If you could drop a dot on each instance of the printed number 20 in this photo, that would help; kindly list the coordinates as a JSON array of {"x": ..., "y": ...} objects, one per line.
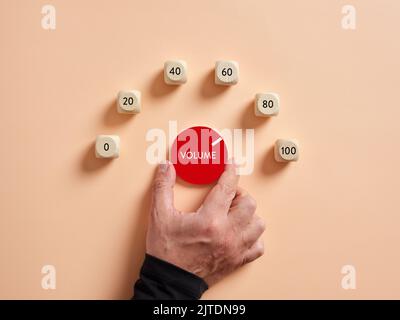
[{"x": 128, "y": 101}]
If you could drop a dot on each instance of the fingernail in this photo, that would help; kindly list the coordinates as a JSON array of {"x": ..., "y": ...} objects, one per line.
[
  {"x": 232, "y": 161},
  {"x": 164, "y": 166}
]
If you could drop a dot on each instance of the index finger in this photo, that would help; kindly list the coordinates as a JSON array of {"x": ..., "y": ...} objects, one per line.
[{"x": 220, "y": 197}]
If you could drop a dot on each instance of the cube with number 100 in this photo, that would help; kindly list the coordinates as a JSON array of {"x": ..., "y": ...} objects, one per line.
[
  {"x": 226, "y": 73},
  {"x": 286, "y": 150}
]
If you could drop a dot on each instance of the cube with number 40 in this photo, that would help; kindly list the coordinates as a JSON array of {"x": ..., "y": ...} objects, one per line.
[{"x": 175, "y": 72}]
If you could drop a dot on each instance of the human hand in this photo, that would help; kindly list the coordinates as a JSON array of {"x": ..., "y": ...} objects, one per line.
[{"x": 222, "y": 235}]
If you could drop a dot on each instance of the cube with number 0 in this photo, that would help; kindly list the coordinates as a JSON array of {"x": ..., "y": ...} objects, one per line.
[
  {"x": 226, "y": 72},
  {"x": 175, "y": 72},
  {"x": 286, "y": 150},
  {"x": 129, "y": 101},
  {"x": 266, "y": 104},
  {"x": 107, "y": 146}
]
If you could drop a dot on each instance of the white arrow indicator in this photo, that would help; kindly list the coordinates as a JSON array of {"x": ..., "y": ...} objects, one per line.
[{"x": 216, "y": 142}]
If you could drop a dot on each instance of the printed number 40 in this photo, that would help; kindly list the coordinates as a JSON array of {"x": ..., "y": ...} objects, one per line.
[{"x": 176, "y": 71}]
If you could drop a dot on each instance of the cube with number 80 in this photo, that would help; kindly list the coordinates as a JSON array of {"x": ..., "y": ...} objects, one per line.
[
  {"x": 286, "y": 150},
  {"x": 266, "y": 104},
  {"x": 129, "y": 101},
  {"x": 226, "y": 73},
  {"x": 175, "y": 72}
]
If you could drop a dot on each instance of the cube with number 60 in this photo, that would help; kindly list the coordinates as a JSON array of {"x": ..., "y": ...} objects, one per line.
[
  {"x": 107, "y": 146},
  {"x": 175, "y": 72},
  {"x": 129, "y": 101},
  {"x": 286, "y": 150},
  {"x": 226, "y": 73}
]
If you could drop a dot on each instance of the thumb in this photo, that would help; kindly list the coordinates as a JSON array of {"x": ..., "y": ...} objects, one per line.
[{"x": 164, "y": 181}]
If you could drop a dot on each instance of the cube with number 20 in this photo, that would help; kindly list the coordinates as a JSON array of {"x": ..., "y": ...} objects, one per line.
[{"x": 129, "y": 101}]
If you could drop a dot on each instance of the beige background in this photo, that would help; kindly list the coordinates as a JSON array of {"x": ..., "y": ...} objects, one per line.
[{"x": 339, "y": 91}]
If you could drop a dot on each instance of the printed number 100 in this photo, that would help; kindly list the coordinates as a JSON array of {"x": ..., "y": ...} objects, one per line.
[{"x": 288, "y": 150}]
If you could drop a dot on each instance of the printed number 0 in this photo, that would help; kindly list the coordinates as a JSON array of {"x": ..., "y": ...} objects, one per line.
[
  {"x": 176, "y": 70},
  {"x": 227, "y": 72},
  {"x": 128, "y": 100},
  {"x": 288, "y": 150},
  {"x": 106, "y": 147}
]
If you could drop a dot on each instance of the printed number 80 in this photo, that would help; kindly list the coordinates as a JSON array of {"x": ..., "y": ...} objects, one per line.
[{"x": 268, "y": 104}]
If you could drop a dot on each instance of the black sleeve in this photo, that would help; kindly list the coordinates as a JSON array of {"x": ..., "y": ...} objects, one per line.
[{"x": 162, "y": 280}]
